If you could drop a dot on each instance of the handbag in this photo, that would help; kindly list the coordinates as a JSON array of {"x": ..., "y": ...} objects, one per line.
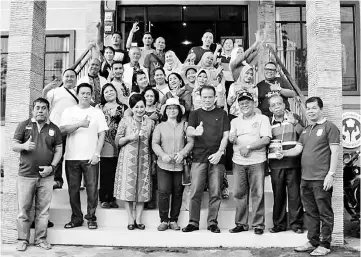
[{"x": 187, "y": 163}]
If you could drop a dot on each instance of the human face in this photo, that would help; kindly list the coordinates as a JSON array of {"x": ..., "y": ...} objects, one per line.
[
  {"x": 69, "y": 79},
  {"x": 228, "y": 45},
  {"x": 94, "y": 67},
  {"x": 174, "y": 82},
  {"x": 40, "y": 112},
  {"x": 169, "y": 58},
  {"x": 191, "y": 75},
  {"x": 142, "y": 81},
  {"x": 84, "y": 96},
  {"x": 277, "y": 106},
  {"x": 147, "y": 40},
  {"x": 240, "y": 50},
  {"x": 248, "y": 76},
  {"x": 159, "y": 44},
  {"x": 139, "y": 109},
  {"x": 246, "y": 106},
  {"x": 109, "y": 94},
  {"x": 202, "y": 78},
  {"x": 270, "y": 71},
  {"x": 134, "y": 55},
  {"x": 149, "y": 97},
  {"x": 118, "y": 70},
  {"x": 172, "y": 111},
  {"x": 208, "y": 98},
  {"x": 313, "y": 111},
  {"x": 108, "y": 54},
  {"x": 116, "y": 39},
  {"x": 209, "y": 60},
  {"x": 159, "y": 77},
  {"x": 207, "y": 39}
]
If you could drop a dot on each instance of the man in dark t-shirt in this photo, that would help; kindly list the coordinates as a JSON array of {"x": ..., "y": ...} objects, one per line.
[
  {"x": 209, "y": 126},
  {"x": 155, "y": 59},
  {"x": 272, "y": 85},
  {"x": 207, "y": 40},
  {"x": 39, "y": 142}
]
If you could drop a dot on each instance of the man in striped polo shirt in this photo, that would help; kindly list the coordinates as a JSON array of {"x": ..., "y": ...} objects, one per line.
[{"x": 285, "y": 173}]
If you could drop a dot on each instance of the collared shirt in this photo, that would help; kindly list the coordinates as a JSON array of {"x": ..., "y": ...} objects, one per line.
[
  {"x": 46, "y": 139},
  {"x": 129, "y": 70},
  {"x": 316, "y": 155},
  {"x": 97, "y": 82}
]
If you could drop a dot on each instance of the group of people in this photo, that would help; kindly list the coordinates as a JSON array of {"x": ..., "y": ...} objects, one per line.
[{"x": 137, "y": 127}]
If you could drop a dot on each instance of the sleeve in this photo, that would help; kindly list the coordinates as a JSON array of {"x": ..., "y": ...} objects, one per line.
[
  {"x": 188, "y": 102},
  {"x": 102, "y": 123},
  {"x": 50, "y": 97},
  {"x": 284, "y": 83},
  {"x": 301, "y": 140},
  {"x": 266, "y": 129},
  {"x": 19, "y": 132},
  {"x": 192, "y": 121},
  {"x": 156, "y": 136},
  {"x": 121, "y": 130},
  {"x": 58, "y": 136},
  {"x": 298, "y": 129},
  {"x": 233, "y": 125},
  {"x": 230, "y": 94},
  {"x": 65, "y": 118},
  {"x": 333, "y": 134},
  {"x": 226, "y": 125}
]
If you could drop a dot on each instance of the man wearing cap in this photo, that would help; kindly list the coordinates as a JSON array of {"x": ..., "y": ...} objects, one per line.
[
  {"x": 209, "y": 126},
  {"x": 250, "y": 134}
]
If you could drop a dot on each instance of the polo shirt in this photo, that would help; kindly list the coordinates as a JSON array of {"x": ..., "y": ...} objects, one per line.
[
  {"x": 316, "y": 155},
  {"x": 45, "y": 142},
  {"x": 264, "y": 92},
  {"x": 215, "y": 122},
  {"x": 289, "y": 135},
  {"x": 198, "y": 51}
]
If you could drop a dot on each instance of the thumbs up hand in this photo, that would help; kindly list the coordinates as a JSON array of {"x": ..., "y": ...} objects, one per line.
[
  {"x": 85, "y": 123},
  {"x": 29, "y": 145},
  {"x": 199, "y": 130}
]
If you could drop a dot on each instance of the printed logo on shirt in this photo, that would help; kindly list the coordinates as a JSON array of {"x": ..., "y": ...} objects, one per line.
[
  {"x": 28, "y": 127},
  {"x": 319, "y": 132},
  {"x": 51, "y": 132},
  {"x": 304, "y": 132},
  {"x": 255, "y": 125}
]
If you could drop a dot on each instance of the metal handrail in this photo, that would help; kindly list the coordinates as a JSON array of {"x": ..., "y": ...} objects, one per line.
[{"x": 299, "y": 99}]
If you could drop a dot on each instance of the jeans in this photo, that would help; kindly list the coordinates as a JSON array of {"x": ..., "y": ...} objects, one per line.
[
  {"x": 289, "y": 179},
  {"x": 27, "y": 189},
  {"x": 318, "y": 210},
  {"x": 200, "y": 172},
  {"x": 108, "y": 166},
  {"x": 74, "y": 171},
  {"x": 169, "y": 183},
  {"x": 58, "y": 172},
  {"x": 249, "y": 179}
]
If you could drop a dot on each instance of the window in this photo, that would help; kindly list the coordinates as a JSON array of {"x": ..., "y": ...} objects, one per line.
[{"x": 291, "y": 44}]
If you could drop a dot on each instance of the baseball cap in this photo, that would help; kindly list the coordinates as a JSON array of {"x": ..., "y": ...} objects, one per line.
[{"x": 245, "y": 95}]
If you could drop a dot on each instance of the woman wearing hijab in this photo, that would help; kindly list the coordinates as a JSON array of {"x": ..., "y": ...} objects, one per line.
[{"x": 172, "y": 63}]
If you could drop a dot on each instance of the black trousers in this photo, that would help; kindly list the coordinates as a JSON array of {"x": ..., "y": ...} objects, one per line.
[
  {"x": 318, "y": 211},
  {"x": 286, "y": 182},
  {"x": 108, "y": 166},
  {"x": 58, "y": 172}
]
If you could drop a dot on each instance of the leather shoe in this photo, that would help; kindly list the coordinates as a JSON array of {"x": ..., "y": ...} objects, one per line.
[
  {"x": 276, "y": 229},
  {"x": 139, "y": 226},
  {"x": 190, "y": 228},
  {"x": 258, "y": 231},
  {"x": 214, "y": 228},
  {"x": 237, "y": 229}
]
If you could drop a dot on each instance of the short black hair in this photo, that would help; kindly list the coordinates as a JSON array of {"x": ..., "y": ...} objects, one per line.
[
  {"x": 270, "y": 62},
  {"x": 41, "y": 100},
  {"x": 207, "y": 87},
  {"x": 179, "y": 77},
  {"x": 159, "y": 68},
  {"x": 135, "y": 87},
  {"x": 69, "y": 69},
  {"x": 315, "y": 99},
  {"x": 116, "y": 62},
  {"x": 134, "y": 99},
  {"x": 155, "y": 92},
  {"x": 147, "y": 33},
  {"x": 224, "y": 41},
  {"x": 102, "y": 98},
  {"x": 179, "y": 116},
  {"x": 190, "y": 68},
  {"x": 84, "y": 85},
  {"x": 119, "y": 33},
  {"x": 110, "y": 48}
]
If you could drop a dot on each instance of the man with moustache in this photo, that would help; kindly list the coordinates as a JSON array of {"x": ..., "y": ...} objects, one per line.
[
  {"x": 133, "y": 65},
  {"x": 207, "y": 40},
  {"x": 155, "y": 59}
]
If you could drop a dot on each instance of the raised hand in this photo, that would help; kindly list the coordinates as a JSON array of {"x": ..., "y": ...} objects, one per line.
[
  {"x": 29, "y": 145},
  {"x": 135, "y": 27},
  {"x": 199, "y": 130}
]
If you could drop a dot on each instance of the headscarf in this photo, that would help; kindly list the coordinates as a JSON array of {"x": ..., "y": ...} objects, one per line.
[
  {"x": 208, "y": 82},
  {"x": 202, "y": 62},
  {"x": 175, "y": 67},
  {"x": 234, "y": 53},
  {"x": 245, "y": 68}
]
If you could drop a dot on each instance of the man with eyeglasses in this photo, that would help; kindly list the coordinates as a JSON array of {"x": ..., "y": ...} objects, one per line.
[{"x": 272, "y": 85}]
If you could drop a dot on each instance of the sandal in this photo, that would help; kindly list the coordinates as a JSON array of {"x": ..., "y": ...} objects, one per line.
[
  {"x": 320, "y": 251},
  {"x": 131, "y": 227},
  {"x": 22, "y": 245},
  {"x": 44, "y": 245},
  {"x": 92, "y": 225},
  {"x": 139, "y": 226},
  {"x": 72, "y": 225},
  {"x": 105, "y": 205}
]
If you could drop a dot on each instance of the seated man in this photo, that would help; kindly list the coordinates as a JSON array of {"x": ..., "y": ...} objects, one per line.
[{"x": 39, "y": 142}]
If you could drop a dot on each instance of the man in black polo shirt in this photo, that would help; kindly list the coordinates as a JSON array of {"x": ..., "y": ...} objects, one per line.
[
  {"x": 319, "y": 145},
  {"x": 210, "y": 128},
  {"x": 39, "y": 142}
]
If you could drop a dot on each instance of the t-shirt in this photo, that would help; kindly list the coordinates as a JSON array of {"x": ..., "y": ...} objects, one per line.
[
  {"x": 144, "y": 54},
  {"x": 129, "y": 70},
  {"x": 81, "y": 144},
  {"x": 316, "y": 155},
  {"x": 45, "y": 142},
  {"x": 215, "y": 122},
  {"x": 120, "y": 55},
  {"x": 198, "y": 51},
  {"x": 151, "y": 63},
  {"x": 59, "y": 99},
  {"x": 264, "y": 92},
  {"x": 249, "y": 131}
]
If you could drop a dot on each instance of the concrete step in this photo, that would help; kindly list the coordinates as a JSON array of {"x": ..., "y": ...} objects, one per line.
[{"x": 110, "y": 236}]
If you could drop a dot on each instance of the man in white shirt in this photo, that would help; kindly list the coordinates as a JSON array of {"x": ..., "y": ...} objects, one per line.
[
  {"x": 133, "y": 65},
  {"x": 85, "y": 128}
]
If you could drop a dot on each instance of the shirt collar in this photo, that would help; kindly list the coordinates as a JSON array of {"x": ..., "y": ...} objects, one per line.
[
  {"x": 93, "y": 77},
  {"x": 321, "y": 121},
  {"x": 274, "y": 120},
  {"x": 33, "y": 120}
]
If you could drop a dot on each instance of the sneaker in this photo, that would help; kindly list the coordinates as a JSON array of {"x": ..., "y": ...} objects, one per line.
[
  {"x": 307, "y": 247},
  {"x": 163, "y": 226},
  {"x": 22, "y": 245},
  {"x": 173, "y": 225},
  {"x": 44, "y": 245},
  {"x": 320, "y": 251}
]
